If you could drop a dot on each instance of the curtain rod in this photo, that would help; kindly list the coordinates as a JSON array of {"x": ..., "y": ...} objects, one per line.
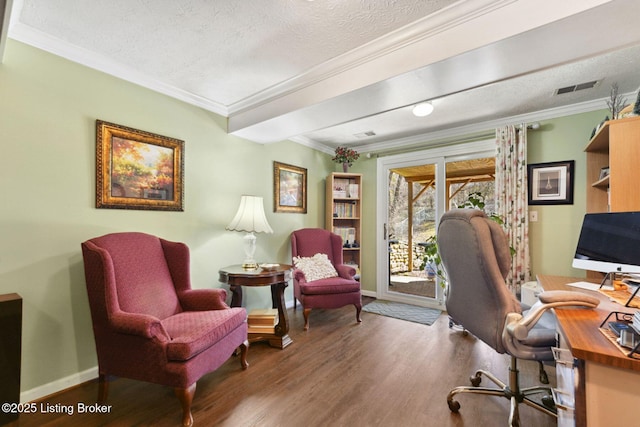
[{"x": 532, "y": 126}]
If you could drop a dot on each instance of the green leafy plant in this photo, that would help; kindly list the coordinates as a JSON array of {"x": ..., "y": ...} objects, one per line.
[
  {"x": 476, "y": 201},
  {"x": 345, "y": 155},
  {"x": 432, "y": 258}
]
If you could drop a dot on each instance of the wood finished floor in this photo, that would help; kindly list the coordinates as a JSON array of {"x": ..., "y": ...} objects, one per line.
[{"x": 382, "y": 372}]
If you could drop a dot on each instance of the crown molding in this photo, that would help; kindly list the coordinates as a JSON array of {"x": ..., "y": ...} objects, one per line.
[
  {"x": 453, "y": 135},
  {"x": 427, "y": 27},
  {"x": 29, "y": 35},
  {"x": 308, "y": 142},
  {"x": 424, "y": 28}
]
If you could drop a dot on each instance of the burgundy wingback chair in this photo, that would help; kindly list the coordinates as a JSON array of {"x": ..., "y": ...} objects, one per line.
[
  {"x": 148, "y": 323},
  {"x": 333, "y": 292}
]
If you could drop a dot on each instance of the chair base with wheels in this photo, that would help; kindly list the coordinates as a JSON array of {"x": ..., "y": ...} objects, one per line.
[{"x": 511, "y": 391}]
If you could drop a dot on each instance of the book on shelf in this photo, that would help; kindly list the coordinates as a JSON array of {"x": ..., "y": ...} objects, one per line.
[
  {"x": 267, "y": 317},
  {"x": 340, "y": 188},
  {"x": 347, "y": 233},
  {"x": 354, "y": 191},
  {"x": 344, "y": 209}
]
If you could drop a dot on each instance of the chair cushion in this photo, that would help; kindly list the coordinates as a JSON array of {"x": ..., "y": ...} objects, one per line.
[
  {"x": 332, "y": 285},
  {"x": 192, "y": 332},
  {"x": 316, "y": 267}
]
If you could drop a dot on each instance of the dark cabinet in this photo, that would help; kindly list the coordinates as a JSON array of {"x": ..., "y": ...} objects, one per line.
[{"x": 10, "y": 352}]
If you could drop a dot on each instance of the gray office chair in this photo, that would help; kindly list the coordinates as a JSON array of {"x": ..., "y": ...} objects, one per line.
[{"x": 476, "y": 258}]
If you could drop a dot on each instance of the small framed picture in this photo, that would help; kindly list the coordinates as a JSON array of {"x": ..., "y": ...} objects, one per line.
[
  {"x": 604, "y": 172},
  {"x": 551, "y": 183},
  {"x": 289, "y": 188}
]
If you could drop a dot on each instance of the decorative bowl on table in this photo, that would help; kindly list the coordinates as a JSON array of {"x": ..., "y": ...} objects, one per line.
[{"x": 269, "y": 267}]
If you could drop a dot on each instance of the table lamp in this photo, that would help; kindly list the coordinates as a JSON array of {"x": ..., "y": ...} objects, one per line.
[{"x": 250, "y": 218}]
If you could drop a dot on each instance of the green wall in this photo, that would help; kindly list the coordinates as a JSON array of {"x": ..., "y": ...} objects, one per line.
[
  {"x": 48, "y": 109},
  {"x": 553, "y": 238}
]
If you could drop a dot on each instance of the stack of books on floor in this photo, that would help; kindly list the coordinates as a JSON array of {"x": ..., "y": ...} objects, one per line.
[{"x": 262, "y": 321}]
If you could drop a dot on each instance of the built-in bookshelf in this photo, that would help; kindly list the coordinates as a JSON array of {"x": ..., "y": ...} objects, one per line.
[
  {"x": 343, "y": 213},
  {"x": 613, "y": 155}
]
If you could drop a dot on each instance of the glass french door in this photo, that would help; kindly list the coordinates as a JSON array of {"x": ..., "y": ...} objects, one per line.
[{"x": 414, "y": 191}]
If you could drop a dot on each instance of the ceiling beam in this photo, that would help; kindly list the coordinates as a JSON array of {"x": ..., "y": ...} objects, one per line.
[{"x": 470, "y": 63}]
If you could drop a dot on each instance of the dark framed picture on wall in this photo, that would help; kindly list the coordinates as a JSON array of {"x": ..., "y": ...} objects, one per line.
[
  {"x": 289, "y": 188},
  {"x": 551, "y": 183},
  {"x": 137, "y": 169}
]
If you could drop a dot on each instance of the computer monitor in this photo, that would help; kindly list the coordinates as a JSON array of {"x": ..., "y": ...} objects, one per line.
[{"x": 609, "y": 242}]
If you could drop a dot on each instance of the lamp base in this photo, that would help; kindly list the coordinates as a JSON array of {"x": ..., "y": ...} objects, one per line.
[
  {"x": 249, "y": 265},
  {"x": 249, "y": 262}
]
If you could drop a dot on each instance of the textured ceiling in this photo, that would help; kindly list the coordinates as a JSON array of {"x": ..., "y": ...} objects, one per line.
[
  {"x": 321, "y": 72},
  {"x": 225, "y": 50}
]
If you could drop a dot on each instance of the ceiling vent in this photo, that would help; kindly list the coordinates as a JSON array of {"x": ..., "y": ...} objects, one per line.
[
  {"x": 365, "y": 134},
  {"x": 575, "y": 88}
]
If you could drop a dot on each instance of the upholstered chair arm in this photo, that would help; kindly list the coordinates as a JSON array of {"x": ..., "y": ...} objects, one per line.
[
  {"x": 299, "y": 276},
  {"x": 518, "y": 326},
  {"x": 142, "y": 325},
  {"x": 203, "y": 299},
  {"x": 346, "y": 271}
]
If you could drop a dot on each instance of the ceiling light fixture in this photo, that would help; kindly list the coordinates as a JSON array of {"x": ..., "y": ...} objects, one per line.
[{"x": 422, "y": 109}]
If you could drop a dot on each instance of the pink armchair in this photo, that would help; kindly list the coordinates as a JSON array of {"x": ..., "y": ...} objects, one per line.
[
  {"x": 148, "y": 323},
  {"x": 331, "y": 292}
]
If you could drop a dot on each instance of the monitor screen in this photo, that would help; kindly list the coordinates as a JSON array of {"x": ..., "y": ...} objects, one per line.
[{"x": 609, "y": 242}]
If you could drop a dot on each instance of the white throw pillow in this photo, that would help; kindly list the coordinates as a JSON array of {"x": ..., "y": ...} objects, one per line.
[{"x": 316, "y": 267}]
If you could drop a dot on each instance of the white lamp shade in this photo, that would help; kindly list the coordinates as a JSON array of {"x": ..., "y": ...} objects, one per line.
[{"x": 250, "y": 216}]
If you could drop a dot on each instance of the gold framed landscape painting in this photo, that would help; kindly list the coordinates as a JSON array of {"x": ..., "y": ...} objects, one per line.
[
  {"x": 136, "y": 169},
  {"x": 289, "y": 188}
]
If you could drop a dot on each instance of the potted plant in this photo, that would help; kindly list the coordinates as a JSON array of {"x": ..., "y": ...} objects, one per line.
[
  {"x": 346, "y": 156},
  {"x": 432, "y": 260}
]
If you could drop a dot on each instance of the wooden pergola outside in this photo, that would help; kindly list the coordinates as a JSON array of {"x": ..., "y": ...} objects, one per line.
[{"x": 462, "y": 172}]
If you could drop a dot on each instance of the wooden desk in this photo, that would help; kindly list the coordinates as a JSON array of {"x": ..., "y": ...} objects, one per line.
[
  {"x": 237, "y": 277},
  {"x": 608, "y": 388}
]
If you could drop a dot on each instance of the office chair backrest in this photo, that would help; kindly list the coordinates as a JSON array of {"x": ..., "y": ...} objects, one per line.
[{"x": 476, "y": 257}]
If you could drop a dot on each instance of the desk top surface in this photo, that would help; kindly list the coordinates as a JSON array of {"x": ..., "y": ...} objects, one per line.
[
  {"x": 236, "y": 275},
  {"x": 580, "y": 326}
]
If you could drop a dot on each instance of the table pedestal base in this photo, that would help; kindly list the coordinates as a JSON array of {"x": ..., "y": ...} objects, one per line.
[{"x": 278, "y": 280}]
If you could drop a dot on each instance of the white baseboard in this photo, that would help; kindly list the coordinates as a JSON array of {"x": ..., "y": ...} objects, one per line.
[{"x": 59, "y": 385}]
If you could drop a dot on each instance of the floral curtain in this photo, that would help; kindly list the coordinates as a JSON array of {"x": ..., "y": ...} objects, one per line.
[{"x": 511, "y": 199}]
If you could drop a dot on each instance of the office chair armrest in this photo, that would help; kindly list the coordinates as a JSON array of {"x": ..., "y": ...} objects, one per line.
[
  {"x": 142, "y": 325},
  {"x": 203, "y": 299},
  {"x": 549, "y": 299}
]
